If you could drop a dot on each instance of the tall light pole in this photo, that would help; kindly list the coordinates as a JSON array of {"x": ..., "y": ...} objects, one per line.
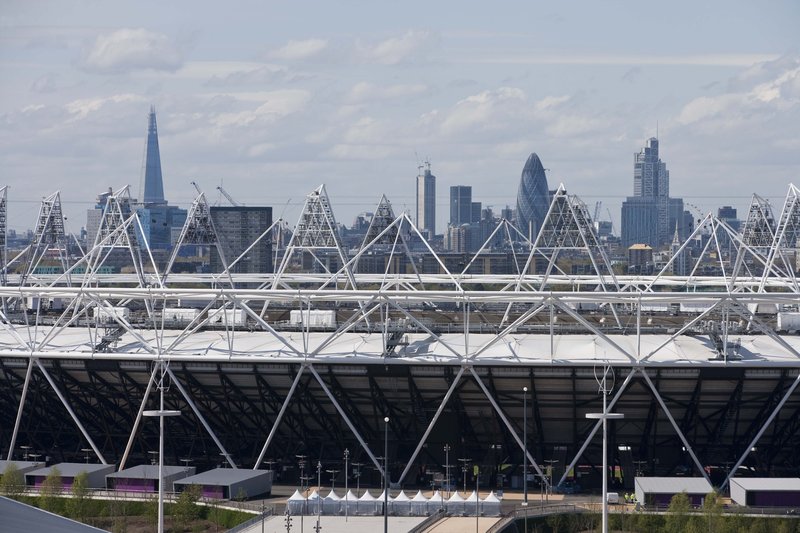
[
  {"x": 318, "y": 527},
  {"x": 465, "y": 461},
  {"x": 525, "y": 446},
  {"x": 386, "y": 475},
  {"x": 346, "y": 505},
  {"x": 605, "y": 416},
  {"x": 161, "y": 413},
  {"x": 447, "y": 468}
]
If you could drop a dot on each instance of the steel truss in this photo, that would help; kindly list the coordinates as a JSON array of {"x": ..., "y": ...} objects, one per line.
[{"x": 445, "y": 355}]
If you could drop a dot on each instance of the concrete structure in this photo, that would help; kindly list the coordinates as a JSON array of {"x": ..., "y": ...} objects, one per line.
[
  {"x": 17, "y": 516},
  {"x": 237, "y": 228},
  {"x": 426, "y": 201},
  {"x": 144, "y": 478},
  {"x": 22, "y": 466},
  {"x": 658, "y": 491},
  {"x": 229, "y": 483},
  {"x": 766, "y": 492},
  {"x": 96, "y": 474}
]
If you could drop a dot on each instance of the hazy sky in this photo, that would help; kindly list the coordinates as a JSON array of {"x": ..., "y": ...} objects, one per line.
[{"x": 272, "y": 99}]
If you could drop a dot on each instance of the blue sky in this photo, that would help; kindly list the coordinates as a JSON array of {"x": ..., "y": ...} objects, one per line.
[{"x": 273, "y": 98}]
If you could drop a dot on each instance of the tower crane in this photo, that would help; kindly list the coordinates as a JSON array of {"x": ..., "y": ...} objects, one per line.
[
  {"x": 224, "y": 193},
  {"x": 197, "y": 187}
]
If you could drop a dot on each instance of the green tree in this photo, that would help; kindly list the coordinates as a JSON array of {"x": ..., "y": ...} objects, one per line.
[
  {"x": 678, "y": 514},
  {"x": 78, "y": 505},
  {"x": 712, "y": 511},
  {"x": 50, "y": 490},
  {"x": 13, "y": 482},
  {"x": 186, "y": 509}
]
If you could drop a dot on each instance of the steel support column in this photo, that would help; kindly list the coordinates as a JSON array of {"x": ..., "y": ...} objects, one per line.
[{"x": 278, "y": 418}]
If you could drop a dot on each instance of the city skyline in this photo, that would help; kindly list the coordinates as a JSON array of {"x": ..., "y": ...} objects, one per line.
[{"x": 273, "y": 114}]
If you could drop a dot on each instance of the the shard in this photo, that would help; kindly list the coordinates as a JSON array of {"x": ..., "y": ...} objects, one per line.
[
  {"x": 153, "y": 182},
  {"x": 533, "y": 197}
]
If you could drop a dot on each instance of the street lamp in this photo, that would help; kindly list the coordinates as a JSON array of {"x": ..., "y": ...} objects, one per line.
[
  {"x": 605, "y": 416},
  {"x": 525, "y": 446},
  {"x": 550, "y": 471},
  {"x": 318, "y": 527},
  {"x": 386, "y": 475},
  {"x": 465, "y": 460},
  {"x": 346, "y": 475},
  {"x": 447, "y": 468},
  {"x": 161, "y": 413},
  {"x": 86, "y": 453}
]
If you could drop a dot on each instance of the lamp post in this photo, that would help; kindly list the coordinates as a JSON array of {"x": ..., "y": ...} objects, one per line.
[
  {"x": 86, "y": 453},
  {"x": 358, "y": 466},
  {"x": 465, "y": 461},
  {"x": 525, "y": 446},
  {"x": 550, "y": 469},
  {"x": 318, "y": 527},
  {"x": 346, "y": 505},
  {"x": 447, "y": 468},
  {"x": 161, "y": 413},
  {"x": 386, "y": 475},
  {"x": 605, "y": 416}
]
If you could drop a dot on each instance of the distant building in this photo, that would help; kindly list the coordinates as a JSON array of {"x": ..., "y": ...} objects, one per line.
[
  {"x": 640, "y": 258},
  {"x": 237, "y": 228},
  {"x": 460, "y": 205},
  {"x": 533, "y": 197},
  {"x": 157, "y": 217},
  {"x": 650, "y": 215},
  {"x": 426, "y": 201}
]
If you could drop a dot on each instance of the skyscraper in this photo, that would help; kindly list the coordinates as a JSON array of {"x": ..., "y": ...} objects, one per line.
[
  {"x": 237, "y": 228},
  {"x": 153, "y": 193},
  {"x": 157, "y": 217},
  {"x": 426, "y": 201},
  {"x": 533, "y": 197},
  {"x": 650, "y": 216},
  {"x": 460, "y": 205}
]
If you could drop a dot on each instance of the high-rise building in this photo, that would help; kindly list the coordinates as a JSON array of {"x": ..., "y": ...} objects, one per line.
[
  {"x": 533, "y": 197},
  {"x": 650, "y": 215},
  {"x": 460, "y": 205},
  {"x": 426, "y": 201},
  {"x": 157, "y": 217},
  {"x": 237, "y": 228}
]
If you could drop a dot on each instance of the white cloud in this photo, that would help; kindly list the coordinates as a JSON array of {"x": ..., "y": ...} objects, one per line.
[
  {"x": 130, "y": 49},
  {"x": 297, "y": 50},
  {"x": 251, "y": 76},
  {"x": 274, "y": 105},
  {"x": 414, "y": 44},
  {"x": 488, "y": 109},
  {"x": 365, "y": 91},
  {"x": 80, "y": 109}
]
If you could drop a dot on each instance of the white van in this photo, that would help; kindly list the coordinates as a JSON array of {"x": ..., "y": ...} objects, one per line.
[{"x": 612, "y": 497}]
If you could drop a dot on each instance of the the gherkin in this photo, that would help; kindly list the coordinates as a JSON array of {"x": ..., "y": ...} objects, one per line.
[{"x": 533, "y": 197}]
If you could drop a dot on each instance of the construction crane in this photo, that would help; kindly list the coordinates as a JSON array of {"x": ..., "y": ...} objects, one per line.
[
  {"x": 196, "y": 186},
  {"x": 224, "y": 193},
  {"x": 597, "y": 207}
]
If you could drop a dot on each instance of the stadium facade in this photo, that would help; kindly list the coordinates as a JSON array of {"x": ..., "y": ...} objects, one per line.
[{"x": 272, "y": 366}]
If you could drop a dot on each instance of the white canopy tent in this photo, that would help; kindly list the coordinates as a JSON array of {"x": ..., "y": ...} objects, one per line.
[
  {"x": 472, "y": 504},
  {"x": 331, "y": 504},
  {"x": 455, "y": 505},
  {"x": 400, "y": 505},
  {"x": 296, "y": 503},
  {"x": 349, "y": 502},
  {"x": 419, "y": 504},
  {"x": 314, "y": 502},
  {"x": 368, "y": 505},
  {"x": 490, "y": 506}
]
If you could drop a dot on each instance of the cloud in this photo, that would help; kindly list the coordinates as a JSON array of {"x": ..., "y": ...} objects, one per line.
[
  {"x": 298, "y": 50},
  {"x": 46, "y": 83},
  {"x": 487, "y": 109},
  {"x": 82, "y": 108},
  {"x": 252, "y": 76},
  {"x": 365, "y": 91},
  {"x": 273, "y": 105},
  {"x": 130, "y": 49},
  {"x": 412, "y": 45}
]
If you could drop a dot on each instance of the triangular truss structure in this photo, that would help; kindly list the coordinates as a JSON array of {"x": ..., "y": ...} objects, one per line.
[
  {"x": 759, "y": 228},
  {"x": 787, "y": 237},
  {"x": 198, "y": 230},
  {"x": 381, "y": 220},
  {"x": 568, "y": 227},
  {"x": 316, "y": 232},
  {"x": 120, "y": 228},
  {"x": 48, "y": 235}
]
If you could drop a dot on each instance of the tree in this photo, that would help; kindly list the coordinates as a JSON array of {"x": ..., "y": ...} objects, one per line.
[
  {"x": 712, "y": 510},
  {"x": 185, "y": 509},
  {"x": 678, "y": 514},
  {"x": 78, "y": 505},
  {"x": 50, "y": 490},
  {"x": 13, "y": 482}
]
